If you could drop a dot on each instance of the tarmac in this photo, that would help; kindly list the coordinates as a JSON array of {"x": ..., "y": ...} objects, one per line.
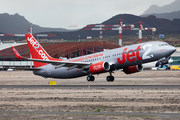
[
  {"x": 92, "y": 86},
  {"x": 144, "y": 95}
]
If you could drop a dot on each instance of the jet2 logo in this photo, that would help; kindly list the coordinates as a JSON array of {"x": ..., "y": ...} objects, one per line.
[
  {"x": 131, "y": 55},
  {"x": 36, "y": 47}
]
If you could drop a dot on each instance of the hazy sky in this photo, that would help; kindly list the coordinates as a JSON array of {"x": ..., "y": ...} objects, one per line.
[{"x": 66, "y": 13}]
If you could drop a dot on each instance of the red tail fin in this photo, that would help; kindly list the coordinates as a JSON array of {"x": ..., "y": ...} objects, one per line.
[{"x": 36, "y": 50}]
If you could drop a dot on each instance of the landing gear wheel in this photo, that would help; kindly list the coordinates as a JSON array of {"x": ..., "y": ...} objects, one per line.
[
  {"x": 90, "y": 78},
  {"x": 110, "y": 78}
]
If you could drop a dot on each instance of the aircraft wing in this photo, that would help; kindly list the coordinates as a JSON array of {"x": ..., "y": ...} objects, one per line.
[{"x": 54, "y": 62}]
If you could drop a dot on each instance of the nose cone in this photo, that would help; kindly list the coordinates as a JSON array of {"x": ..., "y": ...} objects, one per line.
[{"x": 171, "y": 49}]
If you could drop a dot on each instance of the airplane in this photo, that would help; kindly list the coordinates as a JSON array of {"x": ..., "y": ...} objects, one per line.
[{"x": 129, "y": 58}]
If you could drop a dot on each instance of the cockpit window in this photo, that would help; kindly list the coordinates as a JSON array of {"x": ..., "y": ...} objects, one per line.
[{"x": 163, "y": 44}]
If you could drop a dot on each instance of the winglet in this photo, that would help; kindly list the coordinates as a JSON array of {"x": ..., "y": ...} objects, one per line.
[{"x": 17, "y": 53}]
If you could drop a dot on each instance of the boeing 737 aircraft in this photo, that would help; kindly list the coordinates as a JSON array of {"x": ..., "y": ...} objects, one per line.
[{"x": 129, "y": 58}]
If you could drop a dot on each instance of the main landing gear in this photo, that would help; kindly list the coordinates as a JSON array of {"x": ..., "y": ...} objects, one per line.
[
  {"x": 90, "y": 78},
  {"x": 110, "y": 78}
]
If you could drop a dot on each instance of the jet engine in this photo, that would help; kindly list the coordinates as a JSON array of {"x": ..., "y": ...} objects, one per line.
[
  {"x": 133, "y": 69},
  {"x": 164, "y": 61},
  {"x": 99, "y": 67}
]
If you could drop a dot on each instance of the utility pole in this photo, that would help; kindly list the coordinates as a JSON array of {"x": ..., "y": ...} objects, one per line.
[{"x": 30, "y": 25}]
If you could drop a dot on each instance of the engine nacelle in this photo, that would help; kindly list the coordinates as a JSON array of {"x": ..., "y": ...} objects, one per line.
[
  {"x": 133, "y": 69},
  {"x": 99, "y": 67}
]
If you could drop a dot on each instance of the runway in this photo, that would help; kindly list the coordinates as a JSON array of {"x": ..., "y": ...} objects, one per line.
[
  {"x": 145, "y": 95},
  {"x": 93, "y": 113},
  {"x": 92, "y": 86}
]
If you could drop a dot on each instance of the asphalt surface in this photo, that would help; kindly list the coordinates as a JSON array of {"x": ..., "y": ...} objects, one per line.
[
  {"x": 93, "y": 113},
  {"x": 93, "y": 86}
]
